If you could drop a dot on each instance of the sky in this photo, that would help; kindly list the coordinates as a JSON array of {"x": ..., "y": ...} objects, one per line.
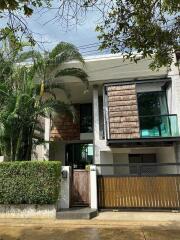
[{"x": 52, "y": 32}]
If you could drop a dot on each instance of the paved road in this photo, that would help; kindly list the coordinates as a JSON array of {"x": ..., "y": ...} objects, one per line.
[{"x": 80, "y": 232}]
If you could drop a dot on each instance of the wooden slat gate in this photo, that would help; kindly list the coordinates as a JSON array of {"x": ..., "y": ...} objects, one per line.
[
  {"x": 139, "y": 192},
  {"x": 80, "y": 188}
]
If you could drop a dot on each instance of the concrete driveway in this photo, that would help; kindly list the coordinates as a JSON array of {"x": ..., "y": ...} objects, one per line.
[
  {"x": 38, "y": 229},
  {"x": 22, "y": 233}
]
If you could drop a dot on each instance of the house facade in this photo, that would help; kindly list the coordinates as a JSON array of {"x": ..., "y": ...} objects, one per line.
[{"x": 127, "y": 126}]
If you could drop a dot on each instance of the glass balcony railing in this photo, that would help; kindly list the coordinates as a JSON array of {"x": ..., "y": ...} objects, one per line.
[{"x": 159, "y": 126}]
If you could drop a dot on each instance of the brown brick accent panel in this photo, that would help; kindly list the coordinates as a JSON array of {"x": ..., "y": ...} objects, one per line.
[
  {"x": 123, "y": 112},
  {"x": 63, "y": 128}
]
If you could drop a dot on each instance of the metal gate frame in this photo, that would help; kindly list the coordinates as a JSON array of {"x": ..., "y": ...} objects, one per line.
[{"x": 144, "y": 190}]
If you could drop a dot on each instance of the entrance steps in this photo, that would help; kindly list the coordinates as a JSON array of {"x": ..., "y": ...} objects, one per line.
[{"x": 76, "y": 213}]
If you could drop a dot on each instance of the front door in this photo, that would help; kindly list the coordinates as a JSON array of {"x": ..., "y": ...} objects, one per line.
[{"x": 80, "y": 188}]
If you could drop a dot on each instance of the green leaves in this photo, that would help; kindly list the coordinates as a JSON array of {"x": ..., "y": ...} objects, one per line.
[
  {"x": 151, "y": 28},
  {"x": 22, "y": 105},
  {"x": 34, "y": 182},
  {"x": 27, "y": 10},
  {"x": 30, "y": 55},
  {"x": 24, "y": 5},
  {"x": 74, "y": 72},
  {"x": 65, "y": 52}
]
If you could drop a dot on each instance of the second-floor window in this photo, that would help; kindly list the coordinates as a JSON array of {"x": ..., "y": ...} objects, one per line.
[
  {"x": 153, "y": 114},
  {"x": 86, "y": 118},
  {"x": 152, "y": 103}
]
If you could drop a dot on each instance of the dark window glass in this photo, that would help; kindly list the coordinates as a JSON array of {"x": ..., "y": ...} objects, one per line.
[
  {"x": 152, "y": 108},
  {"x": 79, "y": 155},
  {"x": 142, "y": 158},
  {"x": 86, "y": 118},
  {"x": 152, "y": 103}
]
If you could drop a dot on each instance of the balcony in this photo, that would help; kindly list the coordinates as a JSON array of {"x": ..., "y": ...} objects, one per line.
[{"x": 159, "y": 126}]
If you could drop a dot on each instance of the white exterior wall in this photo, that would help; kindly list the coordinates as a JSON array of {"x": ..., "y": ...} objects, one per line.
[
  {"x": 175, "y": 100},
  {"x": 169, "y": 99},
  {"x": 174, "y": 75},
  {"x": 166, "y": 155},
  {"x": 148, "y": 87},
  {"x": 64, "y": 198},
  {"x": 86, "y": 136},
  {"x": 46, "y": 138},
  {"x": 106, "y": 158},
  {"x": 121, "y": 156},
  {"x": 38, "y": 153},
  {"x": 93, "y": 188},
  {"x": 113, "y": 67}
]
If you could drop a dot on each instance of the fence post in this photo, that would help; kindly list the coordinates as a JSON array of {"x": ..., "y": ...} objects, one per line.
[
  {"x": 93, "y": 187},
  {"x": 64, "y": 201}
]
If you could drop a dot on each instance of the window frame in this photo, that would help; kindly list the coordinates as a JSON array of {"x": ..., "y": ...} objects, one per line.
[{"x": 84, "y": 128}]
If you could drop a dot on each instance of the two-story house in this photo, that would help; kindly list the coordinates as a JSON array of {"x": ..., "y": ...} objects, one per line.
[{"x": 127, "y": 126}]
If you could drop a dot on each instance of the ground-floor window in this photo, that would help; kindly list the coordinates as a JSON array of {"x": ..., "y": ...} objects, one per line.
[
  {"x": 142, "y": 159},
  {"x": 78, "y": 155}
]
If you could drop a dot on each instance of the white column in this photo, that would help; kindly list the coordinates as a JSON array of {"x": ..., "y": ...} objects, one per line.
[
  {"x": 93, "y": 187},
  {"x": 96, "y": 124},
  {"x": 46, "y": 138},
  {"x": 96, "y": 112},
  {"x": 1, "y": 158},
  {"x": 64, "y": 201},
  {"x": 174, "y": 75}
]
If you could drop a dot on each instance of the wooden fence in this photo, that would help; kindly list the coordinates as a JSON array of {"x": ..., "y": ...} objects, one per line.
[{"x": 139, "y": 192}]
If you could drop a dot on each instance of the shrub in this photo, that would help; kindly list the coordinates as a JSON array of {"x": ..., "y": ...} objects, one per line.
[{"x": 29, "y": 182}]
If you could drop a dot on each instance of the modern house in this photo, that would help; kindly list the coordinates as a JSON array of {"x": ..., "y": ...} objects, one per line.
[{"x": 127, "y": 127}]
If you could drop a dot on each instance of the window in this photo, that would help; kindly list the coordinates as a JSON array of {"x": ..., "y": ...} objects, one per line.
[
  {"x": 79, "y": 155},
  {"x": 140, "y": 159},
  {"x": 152, "y": 103},
  {"x": 86, "y": 118},
  {"x": 153, "y": 114}
]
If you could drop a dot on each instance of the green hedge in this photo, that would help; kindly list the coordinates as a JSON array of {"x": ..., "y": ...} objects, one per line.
[{"x": 29, "y": 182}]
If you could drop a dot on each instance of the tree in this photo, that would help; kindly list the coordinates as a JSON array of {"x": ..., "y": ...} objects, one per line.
[
  {"x": 25, "y": 5},
  {"x": 14, "y": 12},
  {"x": 149, "y": 27},
  {"x": 23, "y": 94}
]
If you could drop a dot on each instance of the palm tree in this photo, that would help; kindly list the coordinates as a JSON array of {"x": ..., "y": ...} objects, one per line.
[{"x": 23, "y": 90}]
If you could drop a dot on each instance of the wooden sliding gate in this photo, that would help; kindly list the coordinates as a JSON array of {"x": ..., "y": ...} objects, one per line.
[{"x": 139, "y": 192}]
